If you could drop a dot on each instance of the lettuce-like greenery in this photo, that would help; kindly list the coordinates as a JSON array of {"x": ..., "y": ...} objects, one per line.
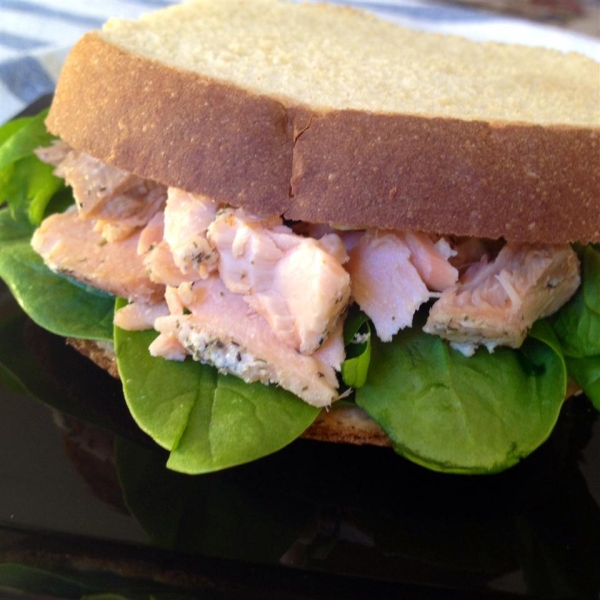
[
  {"x": 357, "y": 339},
  {"x": 441, "y": 410},
  {"x": 586, "y": 373},
  {"x": 465, "y": 415},
  {"x": 52, "y": 301},
  {"x": 29, "y": 187},
  {"x": 27, "y": 184},
  {"x": 578, "y": 323},
  {"x": 577, "y": 326},
  {"x": 208, "y": 421}
]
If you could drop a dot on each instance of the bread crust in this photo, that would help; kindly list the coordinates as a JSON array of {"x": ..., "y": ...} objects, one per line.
[
  {"x": 520, "y": 182},
  {"x": 174, "y": 127},
  {"x": 448, "y": 176},
  {"x": 102, "y": 354}
]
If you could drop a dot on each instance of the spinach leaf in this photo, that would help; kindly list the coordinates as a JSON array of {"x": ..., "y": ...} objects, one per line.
[
  {"x": 577, "y": 324},
  {"x": 27, "y": 183},
  {"x": 586, "y": 373},
  {"x": 357, "y": 339},
  {"x": 464, "y": 415},
  {"x": 29, "y": 188},
  {"x": 9, "y": 129},
  {"x": 51, "y": 300},
  {"x": 208, "y": 421},
  {"x": 19, "y": 138}
]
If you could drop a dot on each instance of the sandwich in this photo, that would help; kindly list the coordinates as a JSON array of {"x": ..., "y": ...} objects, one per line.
[{"x": 305, "y": 221}]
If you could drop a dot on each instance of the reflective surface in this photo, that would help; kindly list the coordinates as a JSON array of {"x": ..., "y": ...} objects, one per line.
[{"x": 80, "y": 485}]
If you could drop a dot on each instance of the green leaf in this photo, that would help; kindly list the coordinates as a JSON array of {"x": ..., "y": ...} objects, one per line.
[
  {"x": 26, "y": 183},
  {"x": 21, "y": 137},
  {"x": 543, "y": 331},
  {"x": 51, "y": 300},
  {"x": 207, "y": 420},
  {"x": 358, "y": 353},
  {"x": 586, "y": 373},
  {"x": 577, "y": 324},
  {"x": 9, "y": 129},
  {"x": 464, "y": 415},
  {"x": 28, "y": 187}
]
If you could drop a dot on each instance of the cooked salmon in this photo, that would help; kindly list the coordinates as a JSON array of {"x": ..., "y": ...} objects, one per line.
[
  {"x": 299, "y": 287},
  {"x": 119, "y": 201},
  {"x": 152, "y": 234},
  {"x": 265, "y": 302},
  {"x": 157, "y": 256},
  {"x": 187, "y": 218},
  {"x": 385, "y": 283},
  {"x": 70, "y": 246},
  {"x": 219, "y": 328},
  {"x": 140, "y": 316},
  {"x": 431, "y": 260},
  {"x": 496, "y": 302},
  {"x": 161, "y": 268}
]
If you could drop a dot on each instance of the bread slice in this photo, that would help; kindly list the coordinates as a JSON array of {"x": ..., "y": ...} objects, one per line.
[{"x": 328, "y": 115}]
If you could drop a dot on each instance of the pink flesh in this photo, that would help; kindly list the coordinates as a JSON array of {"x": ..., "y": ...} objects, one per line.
[
  {"x": 292, "y": 281},
  {"x": 152, "y": 234},
  {"x": 187, "y": 217},
  {"x": 225, "y": 321},
  {"x": 161, "y": 267},
  {"x": 497, "y": 302},
  {"x": 168, "y": 347},
  {"x": 70, "y": 246},
  {"x": 433, "y": 267},
  {"x": 281, "y": 296},
  {"x": 139, "y": 316},
  {"x": 120, "y": 201},
  {"x": 385, "y": 284},
  {"x": 157, "y": 256}
]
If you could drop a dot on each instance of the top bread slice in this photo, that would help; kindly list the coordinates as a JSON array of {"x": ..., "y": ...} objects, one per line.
[{"x": 329, "y": 115}]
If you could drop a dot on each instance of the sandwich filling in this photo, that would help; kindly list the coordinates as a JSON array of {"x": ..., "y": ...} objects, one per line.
[{"x": 266, "y": 300}]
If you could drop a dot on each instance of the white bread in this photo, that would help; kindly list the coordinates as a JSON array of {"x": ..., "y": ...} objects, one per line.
[
  {"x": 335, "y": 58},
  {"x": 326, "y": 114}
]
